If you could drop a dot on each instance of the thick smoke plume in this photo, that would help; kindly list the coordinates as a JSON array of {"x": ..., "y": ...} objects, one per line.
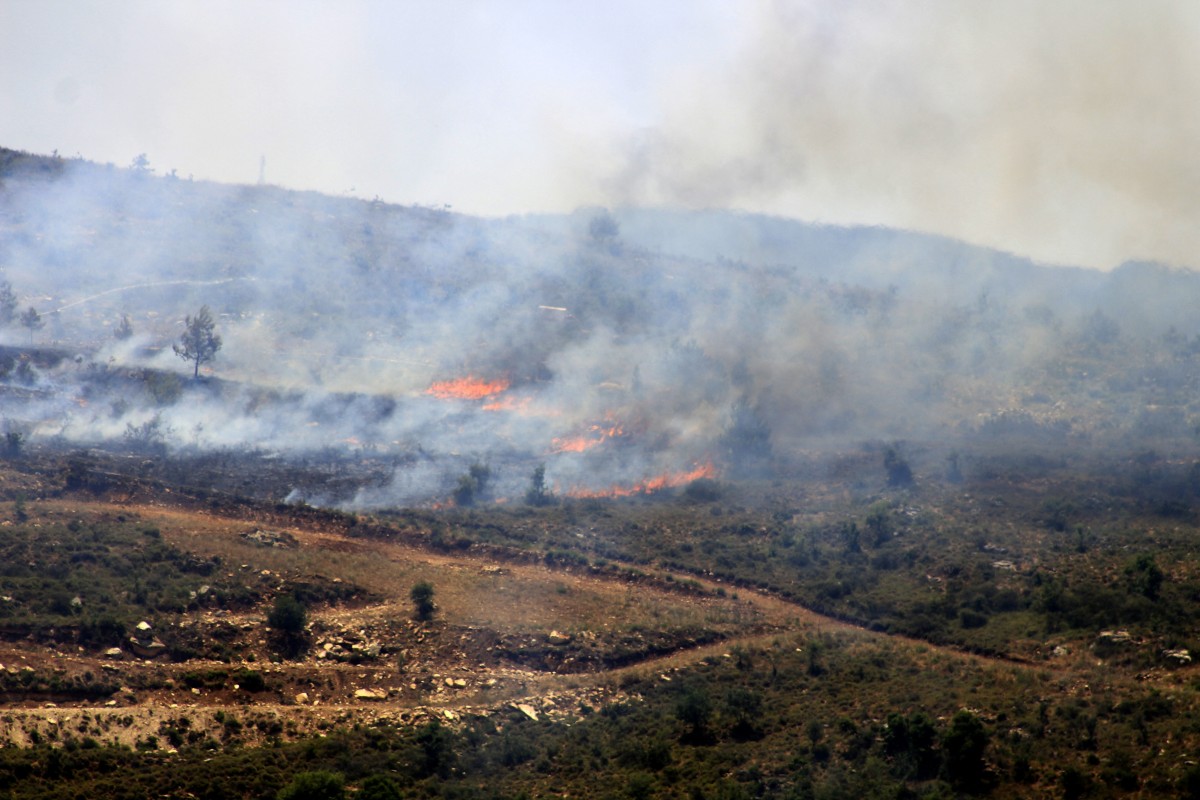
[{"x": 1064, "y": 129}]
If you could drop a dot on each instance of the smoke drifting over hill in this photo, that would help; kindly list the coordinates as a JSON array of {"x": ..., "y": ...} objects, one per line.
[
  {"x": 1064, "y": 126},
  {"x": 1062, "y": 130},
  {"x": 622, "y": 349}
]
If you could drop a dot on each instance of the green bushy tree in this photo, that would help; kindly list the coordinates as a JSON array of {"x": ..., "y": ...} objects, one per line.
[{"x": 199, "y": 341}]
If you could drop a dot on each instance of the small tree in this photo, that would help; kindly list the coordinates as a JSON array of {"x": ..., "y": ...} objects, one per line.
[
  {"x": 473, "y": 485},
  {"x": 124, "y": 330},
  {"x": 963, "y": 745},
  {"x": 538, "y": 494},
  {"x": 1145, "y": 577},
  {"x": 436, "y": 750},
  {"x": 899, "y": 472},
  {"x": 694, "y": 709},
  {"x": 422, "y": 597},
  {"x": 288, "y": 620},
  {"x": 879, "y": 523},
  {"x": 30, "y": 318},
  {"x": 8, "y": 303},
  {"x": 603, "y": 230},
  {"x": 288, "y": 615},
  {"x": 744, "y": 707},
  {"x": 199, "y": 342}
]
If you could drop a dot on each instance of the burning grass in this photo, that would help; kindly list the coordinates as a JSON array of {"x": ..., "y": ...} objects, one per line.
[
  {"x": 597, "y": 434},
  {"x": 467, "y": 388},
  {"x": 658, "y": 483}
]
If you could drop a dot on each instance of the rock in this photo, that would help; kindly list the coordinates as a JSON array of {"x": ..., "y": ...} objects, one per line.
[
  {"x": 144, "y": 627},
  {"x": 558, "y": 637},
  {"x": 460, "y": 683},
  {"x": 1178, "y": 656},
  {"x": 302, "y": 698},
  {"x": 147, "y": 649},
  {"x": 527, "y": 710},
  {"x": 114, "y": 652},
  {"x": 369, "y": 694},
  {"x": 270, "y": 539}
]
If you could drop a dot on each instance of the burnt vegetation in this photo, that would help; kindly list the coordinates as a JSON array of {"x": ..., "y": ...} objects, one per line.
[{"x": 839, "y": 512}]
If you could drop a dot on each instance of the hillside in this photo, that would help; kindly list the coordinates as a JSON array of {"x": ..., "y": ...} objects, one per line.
[
  {"x": 711, "y": 504},
  {"x": 781, "y": 338}
]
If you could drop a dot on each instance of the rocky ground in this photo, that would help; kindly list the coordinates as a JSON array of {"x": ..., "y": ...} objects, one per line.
[{"x": 366, "y": 660}]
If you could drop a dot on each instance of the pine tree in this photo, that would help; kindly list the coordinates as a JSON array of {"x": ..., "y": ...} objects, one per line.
[
  {"x": 8, "y": 303},
  {"x": 30, "y": 318},
  {"x": 199, "y": 342}
]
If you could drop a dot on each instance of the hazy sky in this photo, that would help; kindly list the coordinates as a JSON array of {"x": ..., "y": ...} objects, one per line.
[{"x": 1068, "y": 130}]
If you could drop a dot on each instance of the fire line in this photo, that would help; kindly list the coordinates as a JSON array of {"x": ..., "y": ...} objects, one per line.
[
  {"x": 468, "y": 388},
  {"x": 667, "y": 480}
]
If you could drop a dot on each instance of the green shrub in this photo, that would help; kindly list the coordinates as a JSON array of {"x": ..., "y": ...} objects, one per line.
[
  {"x": 250, "y": 680},
  {"x": 378, "y": 787},
  {"x": 422, "y": 598},
  {"x": 318, "y": 785},
  {"x": 288, "y": 615}
]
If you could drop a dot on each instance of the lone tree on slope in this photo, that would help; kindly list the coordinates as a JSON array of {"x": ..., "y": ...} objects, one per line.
[
  {"x": 199, "y": 343},
  {"x": 422, "y": 597},
  {"x": 30, "y": 318},
  {"x": 8, "y": 303}
]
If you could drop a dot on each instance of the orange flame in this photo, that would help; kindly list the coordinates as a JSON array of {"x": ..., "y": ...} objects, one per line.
[
  {"x": 668, "y": 480},
  {"x": 468, "y": 388},
  {"x": 519, "y": 405},
  {"x": 578, "y": 444},
  {"x": 573, "y": 444}
]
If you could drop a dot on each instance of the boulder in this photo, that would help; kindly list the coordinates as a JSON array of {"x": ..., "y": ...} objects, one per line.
[{"x": 152, "y": 648}]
